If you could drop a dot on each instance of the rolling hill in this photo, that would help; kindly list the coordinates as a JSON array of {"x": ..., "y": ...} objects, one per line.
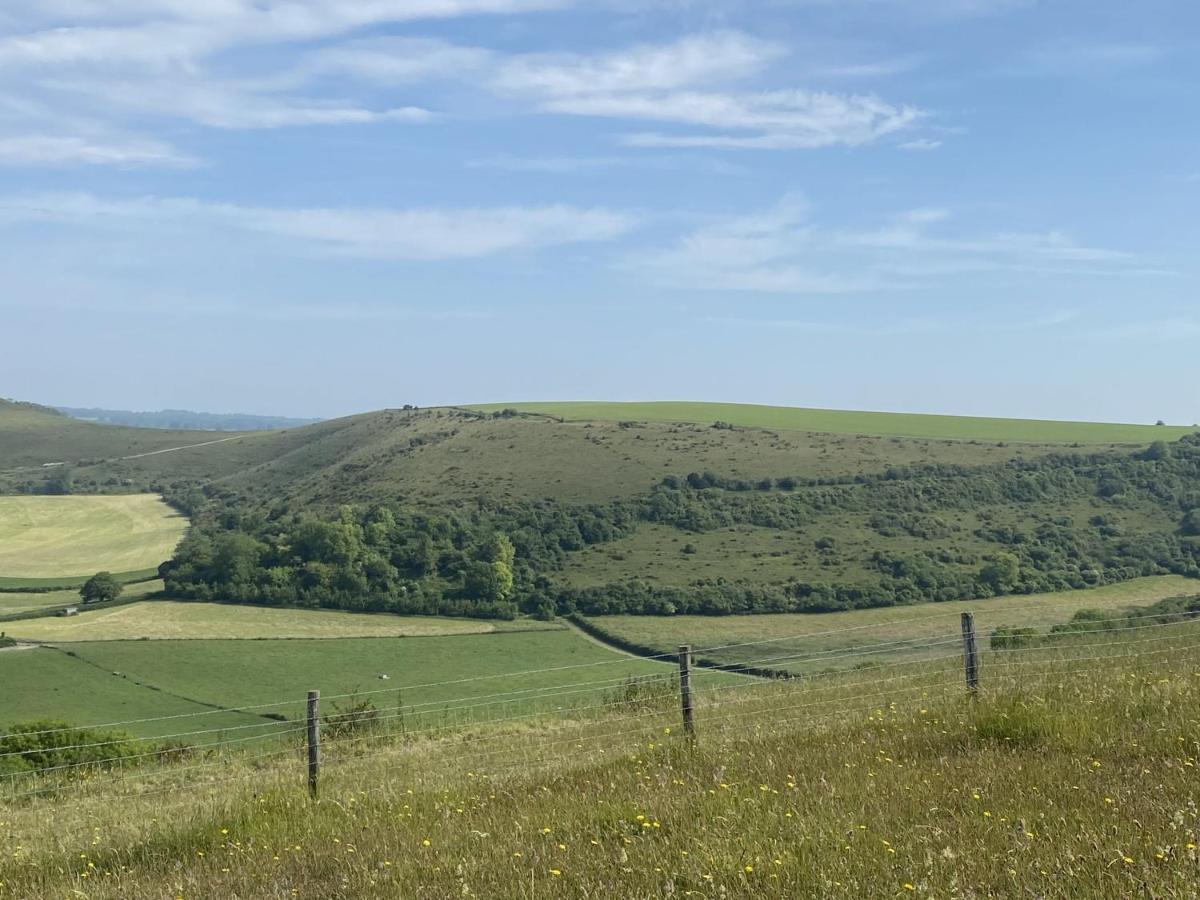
[{"x": 627, "y": 515}]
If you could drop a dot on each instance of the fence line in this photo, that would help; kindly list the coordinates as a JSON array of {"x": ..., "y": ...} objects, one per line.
[{"x": 666, "y": 656}]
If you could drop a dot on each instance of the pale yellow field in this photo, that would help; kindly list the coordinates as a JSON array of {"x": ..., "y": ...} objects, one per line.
[
  {"x": 15, "y": 602},
  {"x": 49, "y": 537},
  {"x": 165, "y": 619}
]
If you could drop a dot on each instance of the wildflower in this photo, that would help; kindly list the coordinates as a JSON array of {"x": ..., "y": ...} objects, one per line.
[
  {"x": 749, "y": 869},
  {"x": 556, "y": 872},
  {"x": 425, "y": 843}
]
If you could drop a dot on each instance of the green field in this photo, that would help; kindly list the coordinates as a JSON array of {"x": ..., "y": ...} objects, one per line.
[
  {"x": 164, "y": 620},
  {"x": 44, "y": 684},
  {"x": 15, "y": 602},
  {"x": 913, "y": 425},
  {"x": 100, "y": 681},
  {"x": 1071, "y": 778},
  {"x": 805, "y": 643},
  {"x": 52, "y": 537}
]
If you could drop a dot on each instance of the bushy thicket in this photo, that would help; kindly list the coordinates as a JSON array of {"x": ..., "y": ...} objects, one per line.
[
  {"x": 51, "y": 746},
  {"x": 1098, "y": 621},
  {"x": 494, "y": 559}
]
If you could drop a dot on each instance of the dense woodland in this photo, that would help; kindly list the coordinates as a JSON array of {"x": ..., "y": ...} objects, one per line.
[{"x": 494, "y": 559}]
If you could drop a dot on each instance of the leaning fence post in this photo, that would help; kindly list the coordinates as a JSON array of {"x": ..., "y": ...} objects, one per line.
[
  {"x": 314, "y": 741},
  {"x": 970, "y": 658},
  {"x": 685, "y": 688}
]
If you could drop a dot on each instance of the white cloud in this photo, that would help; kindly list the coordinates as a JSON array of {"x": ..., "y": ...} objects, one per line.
[
  {"x": 61, "y": 150},
  {"x": 415, "y": 234},
  {"x": 165, "y": 32},
  {"x": 782, "y": 250},
  {"x": 921, "y": 144},
  {"x": 224, "y": 104},
  {"x": 660, "y": 83},
  {"x": 696, "y": 59},
  {"x": 396, "y": 60}
]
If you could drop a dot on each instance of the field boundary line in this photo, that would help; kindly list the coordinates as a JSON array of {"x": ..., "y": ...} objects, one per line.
[
  {"x": 215, "y": 707},
  {"x": 634, "y": 651}
]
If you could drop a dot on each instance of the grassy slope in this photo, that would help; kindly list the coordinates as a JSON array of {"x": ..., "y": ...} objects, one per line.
[
  {"x": 164, "y": 620},
  {"x": 438, "y": 457},
  {"x": 807, "y": 642},
  {"x": 47, "y": 537},
  {"x": 31, "y": 437},
  {"x": 240, "y": 673},
  {"x": 853, "y": 422},
  {"x": 1078, "y": 783}
]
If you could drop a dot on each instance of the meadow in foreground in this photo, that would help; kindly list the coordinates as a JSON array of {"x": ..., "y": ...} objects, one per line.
[{"x": 1071, "y": 774}]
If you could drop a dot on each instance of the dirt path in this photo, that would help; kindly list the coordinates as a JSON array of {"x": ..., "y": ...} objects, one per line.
[{"x": 20, "y": 645}]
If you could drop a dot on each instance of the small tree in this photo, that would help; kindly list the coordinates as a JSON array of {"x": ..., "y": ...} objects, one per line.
[{"x": 100, "y": 587}]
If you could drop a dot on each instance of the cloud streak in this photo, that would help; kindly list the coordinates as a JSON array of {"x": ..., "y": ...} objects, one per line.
[{"x": 402, "y": 234}]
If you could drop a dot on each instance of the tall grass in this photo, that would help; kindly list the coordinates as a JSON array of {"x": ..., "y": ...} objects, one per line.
[{"x": 1071, "y": 774}]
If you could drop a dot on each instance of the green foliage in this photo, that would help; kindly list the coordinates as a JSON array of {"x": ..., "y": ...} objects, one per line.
[
  {"x": 100, "y": 588},
  {"x": 42, "y": 745}
]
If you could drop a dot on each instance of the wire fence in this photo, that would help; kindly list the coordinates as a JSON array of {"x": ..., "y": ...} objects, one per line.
[{"x": 590, "y": 713}]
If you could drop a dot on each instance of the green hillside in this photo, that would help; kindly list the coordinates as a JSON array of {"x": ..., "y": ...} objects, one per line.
[
  {"x": 412, "y": 511},
  {"x": 833, "y": 421}
]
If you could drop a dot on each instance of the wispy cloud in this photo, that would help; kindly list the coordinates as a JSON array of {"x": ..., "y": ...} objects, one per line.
[
  {"x": 413, "y": 234},
  {"x": 921, "y": 144},
  {"x": 669, "y": 84},
  {"x": 784, "y": 250},
  {"x": 692, "y": 60},
  {"x": 62, "y": 150},
  {"x": 227, "y": 104}
]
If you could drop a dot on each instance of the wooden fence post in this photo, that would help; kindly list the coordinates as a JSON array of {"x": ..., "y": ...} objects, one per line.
[
  {"x": 685, "y": 688},
  {"x": 314, "y": 741},
  {"x": 970, "y": 658}
]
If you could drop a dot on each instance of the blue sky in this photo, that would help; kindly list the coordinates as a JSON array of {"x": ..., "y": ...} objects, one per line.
[{"x": 322, "y": 206}]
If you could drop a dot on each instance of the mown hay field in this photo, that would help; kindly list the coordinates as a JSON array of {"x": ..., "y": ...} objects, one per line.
[
  {"x": 52, "y": 537},
  {"x": 14, "y": 602},
  {"x": 808, "y": 642},
  {"x": 167, "y": 620}
]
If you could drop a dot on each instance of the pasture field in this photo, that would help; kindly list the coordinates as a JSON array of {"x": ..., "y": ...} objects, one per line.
[
  {"x": 45, "y": 684},
  {"x": 1074, "y": 779},
  {"x": 836, "y": 421},
  {"x": 71, "y": 583},
  {"x": 23, "y": 602},
  {"x": 811, "y": 642},
  {"x": 49, "y": 537},
  {"x": 166, "y": 620},
  {"x": 428, "y": 675}
]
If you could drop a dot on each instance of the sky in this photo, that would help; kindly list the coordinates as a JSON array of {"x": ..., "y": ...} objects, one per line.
[{"x": 317, "y": 207}]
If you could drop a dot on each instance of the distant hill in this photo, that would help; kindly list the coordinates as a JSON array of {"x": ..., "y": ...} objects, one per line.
[
  {"x": 184, "y": 419},
  {"x": 839, "y": 421}
]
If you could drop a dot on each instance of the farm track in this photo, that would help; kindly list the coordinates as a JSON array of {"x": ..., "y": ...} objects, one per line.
[{"x": 63, "y": 462}]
